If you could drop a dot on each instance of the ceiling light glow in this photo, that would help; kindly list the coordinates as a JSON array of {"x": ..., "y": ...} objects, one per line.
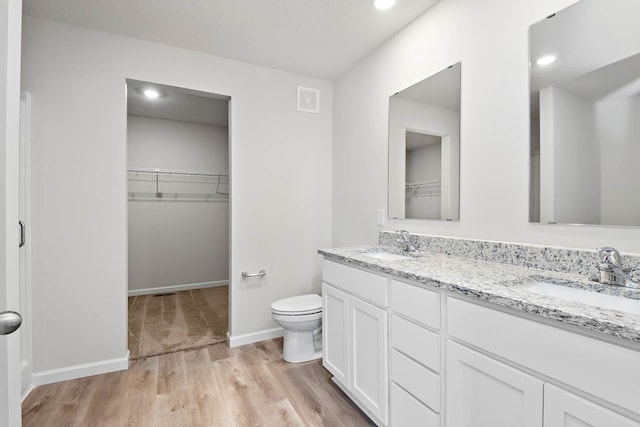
[
  {"x": 151, "y": 93},
  {"x": 384, "y": 4},
  {"x": 546, "y": 60}
]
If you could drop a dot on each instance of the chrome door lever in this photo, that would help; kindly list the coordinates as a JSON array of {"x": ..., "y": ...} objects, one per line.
[
  {"x": 22, "y": 234},
  {"x": 10, "y": 321}
]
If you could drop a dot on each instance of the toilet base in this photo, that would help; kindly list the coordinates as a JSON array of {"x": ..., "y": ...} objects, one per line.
[{"x": 301, "y": 347}]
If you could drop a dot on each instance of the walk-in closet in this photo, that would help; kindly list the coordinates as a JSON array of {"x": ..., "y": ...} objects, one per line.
[{"x": 178, "y": 192}]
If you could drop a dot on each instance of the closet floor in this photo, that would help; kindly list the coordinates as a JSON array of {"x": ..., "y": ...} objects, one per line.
[
  {"x": 165, "y": 323},
  {"x": 212, "y": 386}
]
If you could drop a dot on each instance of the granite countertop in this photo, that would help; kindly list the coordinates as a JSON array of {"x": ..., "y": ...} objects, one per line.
[{"x": 501, "y": 284}]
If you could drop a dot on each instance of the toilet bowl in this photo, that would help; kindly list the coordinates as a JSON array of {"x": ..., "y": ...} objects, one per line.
[{"x": 301, "y": 319}]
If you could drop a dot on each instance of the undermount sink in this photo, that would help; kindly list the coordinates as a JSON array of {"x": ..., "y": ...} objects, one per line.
[
  {"x": 620, "y": 303},
  {"x": 387, "y": 256}
]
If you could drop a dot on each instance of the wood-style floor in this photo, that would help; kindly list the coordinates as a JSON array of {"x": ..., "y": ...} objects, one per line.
[{"x": 212, "y": 386}]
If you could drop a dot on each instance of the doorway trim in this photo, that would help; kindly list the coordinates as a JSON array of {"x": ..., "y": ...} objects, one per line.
[
  {"x": 26, "y": 332},
  {"x": 229, "y": 280}
]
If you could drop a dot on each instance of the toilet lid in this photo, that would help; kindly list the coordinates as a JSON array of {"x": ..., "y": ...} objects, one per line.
[{"x": 303, "y": 304}]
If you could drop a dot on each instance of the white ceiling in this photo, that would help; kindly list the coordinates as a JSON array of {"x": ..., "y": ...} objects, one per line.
[
  {"x": 320, "y": 38},
  {"x": 596, "y": 44},
  {"x": 584, "y": 37},
  {"x": 179, "y": 104},
  {"x": 417, "y": 140}
]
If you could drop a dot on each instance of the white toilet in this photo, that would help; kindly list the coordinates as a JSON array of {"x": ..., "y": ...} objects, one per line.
[{"x": 301, "y": 319}]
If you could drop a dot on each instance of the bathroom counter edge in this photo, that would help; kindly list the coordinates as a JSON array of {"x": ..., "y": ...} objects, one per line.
[{"x": 497, "y": 283}]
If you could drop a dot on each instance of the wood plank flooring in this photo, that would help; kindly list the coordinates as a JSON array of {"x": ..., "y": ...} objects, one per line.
[{"x": 212, "y": 386}]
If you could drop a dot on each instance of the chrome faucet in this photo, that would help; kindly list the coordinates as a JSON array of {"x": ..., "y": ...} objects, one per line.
[
  {"x": 408, "y": 247},
  {"x": 610, "y": 268}
]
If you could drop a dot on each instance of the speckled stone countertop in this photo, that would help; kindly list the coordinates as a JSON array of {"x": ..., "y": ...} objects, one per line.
[{"x": 501, "y": 284}]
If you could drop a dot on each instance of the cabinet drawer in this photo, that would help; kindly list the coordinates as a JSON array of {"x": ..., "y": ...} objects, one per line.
[
  {"x": 419, "y": 304},
  {"x": 416, "y": 342},
  {"x": 416, "y": 379},
  {"x": 408, "y": 411},
  {"x": 369, "y": 286}
]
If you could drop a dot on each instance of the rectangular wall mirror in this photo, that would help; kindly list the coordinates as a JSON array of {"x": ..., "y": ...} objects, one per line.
[
  {"x": 424, "y": 148},
  {"x": 585, "y": 115}
]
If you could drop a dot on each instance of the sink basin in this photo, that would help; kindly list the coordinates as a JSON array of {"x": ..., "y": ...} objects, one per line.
[
  {"x": 620, "y": 303},
  {"x": 387, "y": 256}
]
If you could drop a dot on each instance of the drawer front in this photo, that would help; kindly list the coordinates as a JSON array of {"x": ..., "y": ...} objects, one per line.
[
  {"x": 408, "y": 411},
  {"x": 419, "y": 304},
  {"x": 579, "y": 361},
  {"x": 369, "y": 286},
  {"x": 417, "y": 342},
  {"x": 416, "y": 379}
]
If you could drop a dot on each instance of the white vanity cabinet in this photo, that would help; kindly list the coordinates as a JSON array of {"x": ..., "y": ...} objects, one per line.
[
  {"x": 410, "y": 355},
  {"x": 481, "y": 390},
  {"x": 355, "y": 335}
]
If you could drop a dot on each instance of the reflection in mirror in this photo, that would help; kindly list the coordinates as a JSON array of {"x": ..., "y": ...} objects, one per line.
[
  {"x": 424, "y": 148},
  {"x": 585, "y": 115}
]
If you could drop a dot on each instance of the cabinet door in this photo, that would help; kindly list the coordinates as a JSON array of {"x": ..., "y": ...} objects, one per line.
[
  {"x": 369, "y": 371},
  {"x": 484, "y": 392},
  {"x": 564, "y": 409},
  {"x": 335, "y": 344}
]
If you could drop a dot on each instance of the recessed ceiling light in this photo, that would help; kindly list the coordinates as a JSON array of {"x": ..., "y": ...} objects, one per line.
[
  {"x": 546, "y": 60},
  {"x": 384, "y": 4},
  {"x": 151, "y": 93}
]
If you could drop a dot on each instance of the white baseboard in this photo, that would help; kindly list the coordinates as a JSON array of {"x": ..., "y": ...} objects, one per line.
[
  {"x": 79, "y": 371},
  {"x": 176, "y": 288},
  {"x": 238, "y": 340},
  {"x": 26, "y": 392},
  {"x": 25, "y": 378}
]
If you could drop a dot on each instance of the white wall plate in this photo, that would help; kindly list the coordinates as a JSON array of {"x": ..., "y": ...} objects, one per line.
[{"x": 308, "y": 99}]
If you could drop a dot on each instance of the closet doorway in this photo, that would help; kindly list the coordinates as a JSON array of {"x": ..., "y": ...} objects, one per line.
[{"x": 178, "y": 218}]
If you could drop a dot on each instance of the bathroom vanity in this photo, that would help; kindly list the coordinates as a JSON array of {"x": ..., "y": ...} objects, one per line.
[{"x": 438, "y": 340}]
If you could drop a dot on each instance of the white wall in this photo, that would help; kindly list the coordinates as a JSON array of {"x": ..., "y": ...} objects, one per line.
[
  {"x": 175, "y": 242},
  {"x": 619, "y": 125},
  {"x": 490, "y": 39},
  {"x": 423, "y": 164},
  {"x": 534, "y": 188},
  {"x": 281, "y": 183},
  {"x": 169, "y": 144},
  {"x": 569, "y": 158}
]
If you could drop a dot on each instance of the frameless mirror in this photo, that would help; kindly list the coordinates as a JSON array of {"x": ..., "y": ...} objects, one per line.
[
  {"x": 424, "y": 148},
  {"x": 585, "y": 115}
]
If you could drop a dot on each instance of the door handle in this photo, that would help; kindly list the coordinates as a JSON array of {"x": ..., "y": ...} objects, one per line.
[
  {"x": 22, "y": 234},
  {"x": 10, "y": 321}
]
